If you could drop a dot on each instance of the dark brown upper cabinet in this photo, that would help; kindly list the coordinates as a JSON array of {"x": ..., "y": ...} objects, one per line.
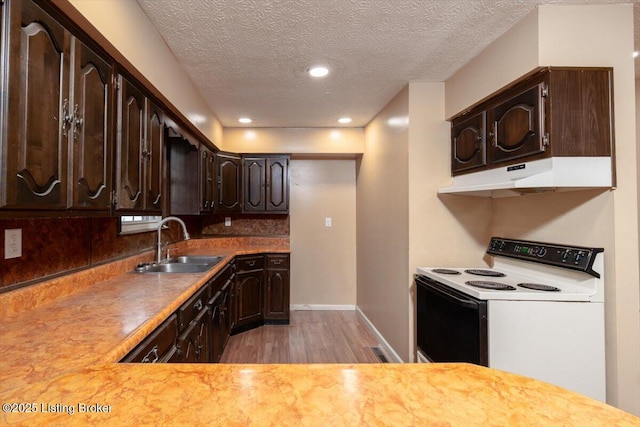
[
  {"x": 551, "y": 112},
  {"x": 518, "y": 125},
  {"x": 55, "y": 117},
  {"x": 468, "y": 143},
  {"x": 140, "y": 144},
  {"x": 229, "y": 182},
  {"x": 92, "y": 128},
  {"x": 182, "y": 175},
  {"x": 207, "y": 179},
  {"x": 152, "y": 152},
  {"x": 266, "y": 184}
]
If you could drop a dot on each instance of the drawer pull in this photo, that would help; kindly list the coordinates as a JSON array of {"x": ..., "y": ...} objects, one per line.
[
  {"x": 198, "y": 305},
  {"x": 276, "y": 261},
  {"x": 251, "y": 263},
  {"x": 154, "y": 352}
]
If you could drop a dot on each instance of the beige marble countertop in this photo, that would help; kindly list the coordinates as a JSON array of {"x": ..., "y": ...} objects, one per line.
[{"x": 59, "y": 342}]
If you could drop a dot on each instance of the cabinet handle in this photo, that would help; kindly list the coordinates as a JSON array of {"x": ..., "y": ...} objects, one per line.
[
  {"x": 77, "y": 122},
  {"x": 154, "y": 352},
  {"x": 494, "y": 134},
  {"x": 67, "y": 119},
  {"x": 206, "y": 203},
  {"x": 198, "y": 305}
]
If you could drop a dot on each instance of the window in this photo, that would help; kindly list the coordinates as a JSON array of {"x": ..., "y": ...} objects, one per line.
[{"x": 138, "y": 224}]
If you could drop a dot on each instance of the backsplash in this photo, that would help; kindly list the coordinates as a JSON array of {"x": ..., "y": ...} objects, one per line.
[
  {"x": 246, "y": 225},
  {"x": 56, "y": 245},
  {"x": 52, "y": 246}
]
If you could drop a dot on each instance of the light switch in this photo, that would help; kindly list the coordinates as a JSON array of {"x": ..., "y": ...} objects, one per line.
[
  {"x": 227, "y": 221},
  {"x": 327, "y": 222},
  {"x": 13, "y": 243}
]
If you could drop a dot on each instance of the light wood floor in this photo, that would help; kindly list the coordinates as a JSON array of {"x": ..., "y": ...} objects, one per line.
[{"x": 311, "y": 337}]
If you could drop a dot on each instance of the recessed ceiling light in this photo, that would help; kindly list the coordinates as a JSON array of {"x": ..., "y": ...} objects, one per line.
[
  {"x": 636, "y": 53},
  {"x": 244, "y": 120},
  {"x": 344, "y": 120},
  {"x": 318, "y": 71}
]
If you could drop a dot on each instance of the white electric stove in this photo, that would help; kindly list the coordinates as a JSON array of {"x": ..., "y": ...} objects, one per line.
[{"x": 538, "y": 311}]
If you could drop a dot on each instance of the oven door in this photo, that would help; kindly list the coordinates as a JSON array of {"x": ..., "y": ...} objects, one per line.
[{"x": 451, "y": 326}]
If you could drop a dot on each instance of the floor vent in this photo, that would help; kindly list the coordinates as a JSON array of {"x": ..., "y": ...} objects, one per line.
[{"x": 379, "y": 354}]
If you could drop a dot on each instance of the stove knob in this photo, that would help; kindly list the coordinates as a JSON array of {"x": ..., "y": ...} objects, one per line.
[
  {"x": 565, "y": 254},
  {"x": 578, "y": 257},
  {"x": 542, "y": 251}
]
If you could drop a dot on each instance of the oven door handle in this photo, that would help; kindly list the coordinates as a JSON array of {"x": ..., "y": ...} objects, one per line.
[{"x": 448, "y": 295}]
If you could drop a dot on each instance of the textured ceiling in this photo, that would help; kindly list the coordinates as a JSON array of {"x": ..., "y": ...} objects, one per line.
[{"x": 249, "y": 57}]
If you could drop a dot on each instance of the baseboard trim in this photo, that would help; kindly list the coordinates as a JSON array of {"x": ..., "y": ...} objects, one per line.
[
  {"x": 300, "y": 307},
  {"x": 386, "y": 347}
]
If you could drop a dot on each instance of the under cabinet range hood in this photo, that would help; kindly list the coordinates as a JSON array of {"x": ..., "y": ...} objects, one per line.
[{"x": 545, "y": 175}]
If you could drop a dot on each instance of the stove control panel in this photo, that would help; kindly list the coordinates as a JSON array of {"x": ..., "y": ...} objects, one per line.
[{"x": 571, "y": 257}]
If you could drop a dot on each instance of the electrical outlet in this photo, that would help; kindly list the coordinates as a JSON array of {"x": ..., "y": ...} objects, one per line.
[
  {"x": 13, "y": 243},
  {"x": 227, "y": 221},
  {"x": 327, "y": 222}
]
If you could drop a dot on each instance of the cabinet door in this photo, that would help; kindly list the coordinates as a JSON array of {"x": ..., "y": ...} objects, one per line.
[
  {"x": 152, "y": 156},
  {"x": 193, "y": 344},
  {"x": 91, "y": 129},
  {"x": 518, "y": 125},
  {"x": 229, "y": 183},
  {"x": 216, "y": 327},
  {"x": 35, "y": 149},
  {"x": 225, "y": 314},
  {"x": 129, "y": 161},
  {"x": 254, "y": 170},
  {"x": 207, "y": 179},
  {"x": 468, "y": 142},
  {"x": 277, "y": 295},
  {"x": 250, "y": 297},
  {"x": 277, "y": 191}
]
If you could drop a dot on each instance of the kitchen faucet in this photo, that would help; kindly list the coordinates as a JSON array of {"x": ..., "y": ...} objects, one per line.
[{"x": 160, "y": 224}]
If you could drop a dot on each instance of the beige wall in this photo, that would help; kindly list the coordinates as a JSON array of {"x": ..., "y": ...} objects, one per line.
[
  {"x": 126, "y": 26},
  {"x": 295, "y": 140},
  {"x": 446, "y": 230},
  {"x": 514, "y": 54},
  {"x": 383, "y": 229},
  {"x": 579, "y": 35},
  {"x": 323, "y": 259}
]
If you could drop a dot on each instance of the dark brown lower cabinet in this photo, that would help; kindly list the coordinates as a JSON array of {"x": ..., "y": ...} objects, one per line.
[
  {"x": 217, "y": 327},
  {"x": 231, "y": 302},
  {"x": 193, "y": 344},
  {"x": 159, "y": 347},
  {"x": 250, "y": 289},
  {"x": 277, "y": 294}
]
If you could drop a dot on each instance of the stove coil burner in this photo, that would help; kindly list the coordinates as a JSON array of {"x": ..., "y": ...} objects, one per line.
[
  {"x": 494, "y": 286},
  {"x": 486, "y": 273},
  {"x": 539, "y": 287},
  {"x": 445, "y": 271}
]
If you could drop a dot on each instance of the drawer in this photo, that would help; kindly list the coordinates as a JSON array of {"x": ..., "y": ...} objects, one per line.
[
  {"x": 190, "y": 309},
  {"x": 278, "y": 261},
  {"x": 221, "y": 278},
  {"x": 250, "y": 263},
  {"x": 157, "y": 347}
]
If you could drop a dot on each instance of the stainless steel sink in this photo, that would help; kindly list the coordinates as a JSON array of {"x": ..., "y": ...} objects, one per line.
[
  {"x": 195, "y": 259},
  {"x": 181, "y": 264}
]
